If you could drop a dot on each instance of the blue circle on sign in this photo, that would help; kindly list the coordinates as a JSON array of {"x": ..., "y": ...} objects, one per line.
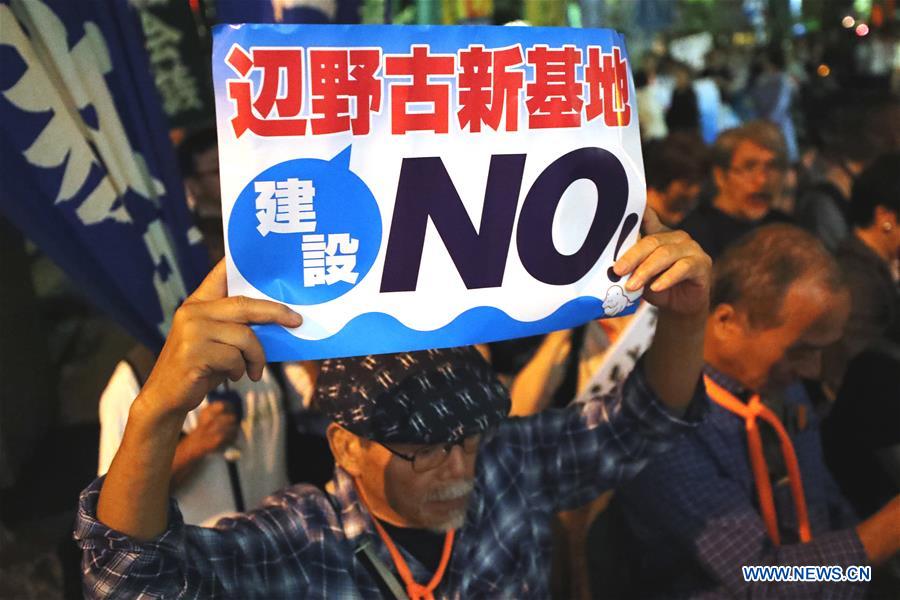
[{"x": 305, "y": 231}]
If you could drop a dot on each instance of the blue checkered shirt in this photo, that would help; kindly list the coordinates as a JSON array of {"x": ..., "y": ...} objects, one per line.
[
  {"x": 297, "y": 546},
  {"x": 693, "y": 514}
]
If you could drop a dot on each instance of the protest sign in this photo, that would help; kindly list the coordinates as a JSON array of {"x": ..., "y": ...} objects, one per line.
[
  {"x": 422, "y": 187},
  {"x": 621, "y": 357}
]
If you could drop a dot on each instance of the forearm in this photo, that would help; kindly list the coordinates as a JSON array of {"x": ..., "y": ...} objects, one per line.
[
  {"x": 187, "y": 455},
  {"x": 674, "y": 362},
  {"x": 880, "y": 533},
  {"x": 529, "y": 391},
  {"x": 834, "y": 548},
  {"x": 134, "y": 498}
]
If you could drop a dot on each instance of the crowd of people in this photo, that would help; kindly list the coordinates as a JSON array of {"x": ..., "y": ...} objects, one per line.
[{"x": 760, "y": 427}]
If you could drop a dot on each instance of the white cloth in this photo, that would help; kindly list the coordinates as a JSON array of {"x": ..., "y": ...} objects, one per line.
[
  {"x": 205, "y": 495},
  {"x": 651, "y": 117}
]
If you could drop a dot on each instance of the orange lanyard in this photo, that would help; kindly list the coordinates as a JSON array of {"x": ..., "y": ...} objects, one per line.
[
  {"x": 749, "y": 412},
  {"x": 414, "y": 590}
]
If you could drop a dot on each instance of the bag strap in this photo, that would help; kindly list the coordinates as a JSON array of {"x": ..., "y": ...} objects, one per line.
[{"x": 374, "y": 565}]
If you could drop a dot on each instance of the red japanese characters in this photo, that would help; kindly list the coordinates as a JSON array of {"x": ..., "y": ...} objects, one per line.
[{"x": 477, "y": 88}]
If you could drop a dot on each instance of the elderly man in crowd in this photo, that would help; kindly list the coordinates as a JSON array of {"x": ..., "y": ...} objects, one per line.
[
  {"x": 434, "y": 487},
  {"x": 749, "y": 486},
  {"x": 749, "y": 165}
]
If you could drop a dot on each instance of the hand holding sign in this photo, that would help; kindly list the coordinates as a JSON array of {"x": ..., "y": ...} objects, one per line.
[
  {"x": 677, "y": 269},
  {"x": 210, "y": 340}
]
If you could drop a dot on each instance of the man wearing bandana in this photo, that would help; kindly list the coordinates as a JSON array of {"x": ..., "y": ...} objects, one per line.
[{"x": 436, "y": 493}]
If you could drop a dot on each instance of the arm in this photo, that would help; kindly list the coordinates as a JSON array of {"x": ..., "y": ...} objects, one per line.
[
  {"x": 880, "y": 533},
  {"x": 243, "y": 557},
  {"x": 592, "y": 447},
  {"x": 210, "y": 340},
  {"x": 530, "y": 390},
  {"x": 217, "y": 426},
  {"x": 577, "y": 453},
  {"x": 679, "y": 276}
]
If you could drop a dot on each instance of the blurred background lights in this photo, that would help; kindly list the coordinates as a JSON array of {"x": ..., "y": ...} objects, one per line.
[
  {"x": 862, "y": 30},
  {"x": 823, "y": 70},
  {"x": 848, "y": 22}
]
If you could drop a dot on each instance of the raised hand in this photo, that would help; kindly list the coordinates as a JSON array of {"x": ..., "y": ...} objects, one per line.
[
  {"x": 677, "y": 270},
  {"x": 210, "y": 340}
]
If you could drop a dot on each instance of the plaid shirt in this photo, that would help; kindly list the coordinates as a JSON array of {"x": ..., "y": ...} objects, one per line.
[
  {"x": 296, "y": 546},
  {"x": 694, "y": 519}
]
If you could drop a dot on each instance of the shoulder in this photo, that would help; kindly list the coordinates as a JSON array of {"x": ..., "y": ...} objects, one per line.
[{"x": 301, "y": 498}]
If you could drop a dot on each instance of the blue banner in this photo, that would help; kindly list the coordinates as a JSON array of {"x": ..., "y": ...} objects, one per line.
[{"x": 89, "y": 173}]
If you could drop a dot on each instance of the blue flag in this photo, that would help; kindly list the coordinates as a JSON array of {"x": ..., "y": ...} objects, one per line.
[{"x": 89, "y": 174}]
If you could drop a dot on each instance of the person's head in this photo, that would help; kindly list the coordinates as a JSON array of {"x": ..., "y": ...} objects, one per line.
[
  {"x": 748, "y": 166},
  {"x": 408, "y": 427},
  {"x": 676, "y": 167},
  {"x": 875, "y": 204},
  {"x": 778, "y": 299},
  {"x": 198, "y": 159}
]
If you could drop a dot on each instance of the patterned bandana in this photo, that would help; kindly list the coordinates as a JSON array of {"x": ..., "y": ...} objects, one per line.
[{"x": 427, "y": 397}]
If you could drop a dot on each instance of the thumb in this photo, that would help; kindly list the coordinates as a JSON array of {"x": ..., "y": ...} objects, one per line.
[{"x": 213, "y": 287}]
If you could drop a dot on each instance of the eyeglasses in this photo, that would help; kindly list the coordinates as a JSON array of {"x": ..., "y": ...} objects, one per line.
[
  {"x": 752, "y": 167},
  {"x": 431, "y": 457}
]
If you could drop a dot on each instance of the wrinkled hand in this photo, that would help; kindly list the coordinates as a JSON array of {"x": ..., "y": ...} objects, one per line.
[
  {"x": 210, "y": 340},
  {"x": 678, "y": 271},
  {"x": 217, "y": 426}
]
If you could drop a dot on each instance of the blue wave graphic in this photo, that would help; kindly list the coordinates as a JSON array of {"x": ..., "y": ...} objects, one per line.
[{"x": 379, "y": 333}]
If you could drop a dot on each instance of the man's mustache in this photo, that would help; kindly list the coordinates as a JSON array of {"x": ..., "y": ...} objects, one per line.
[{"x": 452, "y": 491}]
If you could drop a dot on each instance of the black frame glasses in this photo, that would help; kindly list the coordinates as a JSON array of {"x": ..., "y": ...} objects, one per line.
[{"x": 431, "y": 457}]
